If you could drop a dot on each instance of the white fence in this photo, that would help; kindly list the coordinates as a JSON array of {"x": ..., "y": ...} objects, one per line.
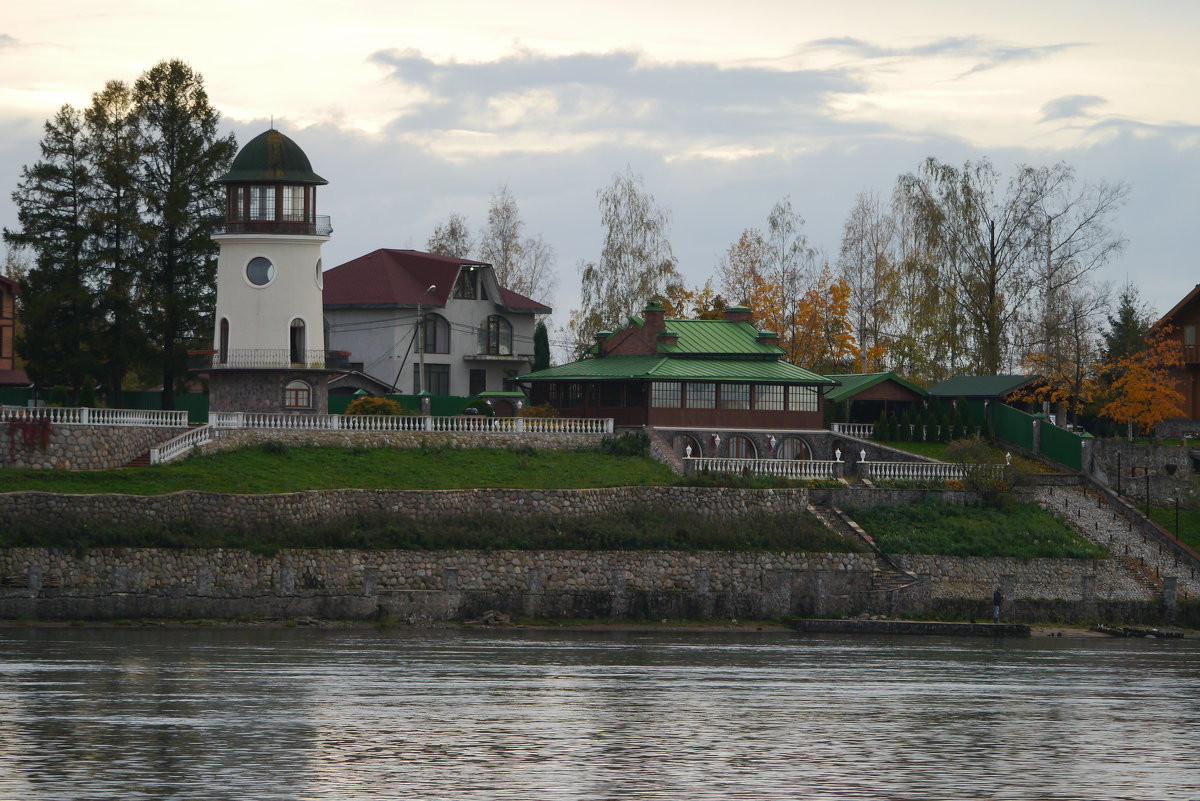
[
  {"x": 925, "y": 471},
  {"x": 860, "y": 430},
  {"x": 96, "y": 417},
  {"x": 173, "y": 449},
  {"x": 456, "y": 424},
  {"x": 781, "y": 468}
]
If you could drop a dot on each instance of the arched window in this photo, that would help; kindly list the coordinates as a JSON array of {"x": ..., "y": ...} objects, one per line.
[
  {"x": 742, "y": 447},
  {"x": 437, "y": 334},
  {"x": 297, "y": 395},
  {"x": 683, "y": 442},
  {"x": 298, "y": 353},
  {"x": 223, "y": 343},
  {"x": 498, "y": 336},
  {"x": 792, "y": 448}
]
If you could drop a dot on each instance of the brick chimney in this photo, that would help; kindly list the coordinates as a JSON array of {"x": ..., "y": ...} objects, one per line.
[
  {"x": 654, "y": 316},
  {"x": 738, "y": 314},
  {"x": 768, "y": 338}
]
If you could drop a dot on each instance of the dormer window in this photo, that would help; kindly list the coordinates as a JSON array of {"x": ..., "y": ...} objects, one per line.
[{"x": 465, "y": 288}]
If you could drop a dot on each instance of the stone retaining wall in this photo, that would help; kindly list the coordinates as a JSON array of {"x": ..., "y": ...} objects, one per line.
[
  {"x": 127, "y": 583},
  {"x": 226, "y": 439},
  {"x": 81, "y": 447},
  {"x": 221, "y": 512}
]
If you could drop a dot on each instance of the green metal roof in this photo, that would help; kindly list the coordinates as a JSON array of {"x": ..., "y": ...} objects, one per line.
[
  {"x": 717, "y": 337},
  {"x": 980, "y": 386},
  {"x": 271, "y": 157},
  {"x": 663, "y": 367},
  {"x": 855, "y": 383}
]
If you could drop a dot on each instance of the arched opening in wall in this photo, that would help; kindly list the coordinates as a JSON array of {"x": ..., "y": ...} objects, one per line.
[
  {"x": 683, "y": 441},
  {"x": 297, "y": 395},
  {"x": 793, "y": 448},
  {"x": 742, "y": 447},
  {"x": 297, "y": 348},
  {"x": 436, "y": 333},
  {"x": 223, "y": 342}
]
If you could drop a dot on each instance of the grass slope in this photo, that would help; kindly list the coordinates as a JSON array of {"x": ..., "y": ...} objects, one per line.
[
  {"x": 1025, "y": 531},
  {"x": 262, "y": 470},
  {"x": 1189, "y": 523}
]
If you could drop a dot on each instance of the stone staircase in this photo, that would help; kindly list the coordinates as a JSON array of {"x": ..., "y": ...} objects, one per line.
[
  {"x": 887, "y": 576},
  {"x": 662, "y": 451},
  {"x": 142, "y": 460}
]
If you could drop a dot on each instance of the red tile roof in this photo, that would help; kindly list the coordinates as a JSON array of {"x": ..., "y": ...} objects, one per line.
[{"x": 386, "y": 278}]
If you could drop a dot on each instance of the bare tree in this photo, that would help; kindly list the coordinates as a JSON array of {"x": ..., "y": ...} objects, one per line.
[
  {"x": 744, "y": 266},
  {"x": 867, "y": 265},
  {"x": 636, "y": 261},
  {"x": 522, "y": 265},
  {"x": 451, "y": 238},
  {"x": 987, "y": 243}
]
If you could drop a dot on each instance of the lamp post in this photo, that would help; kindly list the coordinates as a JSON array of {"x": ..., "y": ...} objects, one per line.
[
  {"x": 421, "y": 340},
  {"x": 1147, "y": 469}
]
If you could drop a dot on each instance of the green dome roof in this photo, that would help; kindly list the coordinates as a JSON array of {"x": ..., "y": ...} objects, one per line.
[{"x": 271, "y": 157}]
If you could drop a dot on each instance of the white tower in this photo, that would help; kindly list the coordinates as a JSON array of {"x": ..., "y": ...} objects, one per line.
[{"x": 269, "y": 341}]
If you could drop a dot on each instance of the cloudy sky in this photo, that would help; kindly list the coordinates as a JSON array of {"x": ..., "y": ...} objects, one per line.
[{"x": 413, "y": 110}]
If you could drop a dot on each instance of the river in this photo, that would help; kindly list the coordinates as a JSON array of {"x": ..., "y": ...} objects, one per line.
[{"x": 259, "y": 713}]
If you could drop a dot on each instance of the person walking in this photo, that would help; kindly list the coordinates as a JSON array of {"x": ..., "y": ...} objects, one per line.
[{"x": 997, "y": 600}]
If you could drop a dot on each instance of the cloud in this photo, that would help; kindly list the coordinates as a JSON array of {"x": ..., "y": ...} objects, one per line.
[
  {"x": 8, "y": 41},
  {"x": 615, "y": 94},
  {"x": 1070, "y": 106},
  {"x": 989, "y": 54}
]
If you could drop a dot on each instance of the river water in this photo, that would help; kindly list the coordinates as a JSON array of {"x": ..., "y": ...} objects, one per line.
[{"x": 362, "y": 714}]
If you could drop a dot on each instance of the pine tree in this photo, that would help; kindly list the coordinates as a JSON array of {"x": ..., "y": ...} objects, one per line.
[
  {"x": 541, "y": 347},
  {"x": 182, "y": 157},
  {"x": 57, "y": 307}
]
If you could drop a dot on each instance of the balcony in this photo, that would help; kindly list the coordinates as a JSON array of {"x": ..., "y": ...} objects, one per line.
[
  {"x": 269, "y": 359},
  {"x": 323, "y": 226}
]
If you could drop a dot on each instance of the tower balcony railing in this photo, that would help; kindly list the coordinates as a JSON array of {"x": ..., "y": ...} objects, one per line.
[
  {"x": 320, "y": 226},
  {"x": 269, "y": 359}
]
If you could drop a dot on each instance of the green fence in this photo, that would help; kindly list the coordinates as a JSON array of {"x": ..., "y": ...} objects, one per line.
[
  {"x": 1064, "y": 447},
  {"x": 15, "y": 397},
  {"x": 1013, "y": 425},
  {"x": 439, "y": 405}
]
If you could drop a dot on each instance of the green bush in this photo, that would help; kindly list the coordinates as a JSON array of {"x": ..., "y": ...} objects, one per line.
[
  {"x": 374, "y": 405},
  {"x": 633, "y": 443},
  {"x": 58, "y": 395}
]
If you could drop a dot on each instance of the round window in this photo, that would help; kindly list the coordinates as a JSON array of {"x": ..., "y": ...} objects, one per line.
[
  {"x": 260, "y": 271},
  {"x": 320, "y": 276}
]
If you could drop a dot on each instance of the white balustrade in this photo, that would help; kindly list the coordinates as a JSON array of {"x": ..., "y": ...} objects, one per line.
[
  {"x": 925, "y": 471},
  {"x": 779, "y": 468},
  {"x": 860, "y": 430},
  {"x": 173, "y": 449},
  {"x": 97, "y": 417},
  {"x": 449, "y": 424}
]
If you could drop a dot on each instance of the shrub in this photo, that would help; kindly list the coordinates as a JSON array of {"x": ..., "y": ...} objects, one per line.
[
  {"x": 545, "y": 410},
  {"x": 58, "y": 395},
  {"x": 374, "y": 405},
  {"x": 479, "y": 407},
  {"x": 633, "y": 443},
  {"x": 87, "y": 394}
]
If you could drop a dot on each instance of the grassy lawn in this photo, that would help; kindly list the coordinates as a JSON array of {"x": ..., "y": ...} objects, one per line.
[
  {"x": 636, "y": 530},
  {"x": 1189, "y": 523},
  {"x": 1025, "y": 531},
  {"x": 260, "y": 470}
]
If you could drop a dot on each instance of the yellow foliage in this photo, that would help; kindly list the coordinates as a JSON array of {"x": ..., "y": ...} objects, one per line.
[{"x": 1143, "y": 389}]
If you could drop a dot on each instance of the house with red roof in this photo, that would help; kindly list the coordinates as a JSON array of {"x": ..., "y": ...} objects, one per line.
[
  {"x": 10, "y": 376},
  {"x": 394, "y": 310}
]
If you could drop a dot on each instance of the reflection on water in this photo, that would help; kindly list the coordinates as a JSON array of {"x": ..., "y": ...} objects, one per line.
[{"x": 304, "y": 714}]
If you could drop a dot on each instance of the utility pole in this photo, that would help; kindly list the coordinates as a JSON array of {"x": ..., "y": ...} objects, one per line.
[{"x": 421, "y": 341}]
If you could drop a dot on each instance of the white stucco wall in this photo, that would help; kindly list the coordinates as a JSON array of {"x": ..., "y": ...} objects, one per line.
[{"x": 261, "y": 317}]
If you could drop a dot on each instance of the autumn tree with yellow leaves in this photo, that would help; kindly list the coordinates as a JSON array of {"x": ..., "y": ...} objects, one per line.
[{"x": 1143, "y": 390}]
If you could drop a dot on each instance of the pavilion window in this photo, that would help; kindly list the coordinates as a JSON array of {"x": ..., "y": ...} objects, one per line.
[
  {"x": 635, "y": 395},
  {"x": 768, "y": 397},
  {"x": 610, "y": 394},
  {"x": 293, "y": 203},
  {"x": 1189, "y": 335},
  {"x": 262, "y": 203},
  {"x": 701, "y": 395},
  {"x": 803, "y": 399},
  {"x": 735, "y": 396},
  {"x": 665, "y": 395}
]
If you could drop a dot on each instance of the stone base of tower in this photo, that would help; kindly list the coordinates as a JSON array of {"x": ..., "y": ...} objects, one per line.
[{"x": 273, "y": 391}]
